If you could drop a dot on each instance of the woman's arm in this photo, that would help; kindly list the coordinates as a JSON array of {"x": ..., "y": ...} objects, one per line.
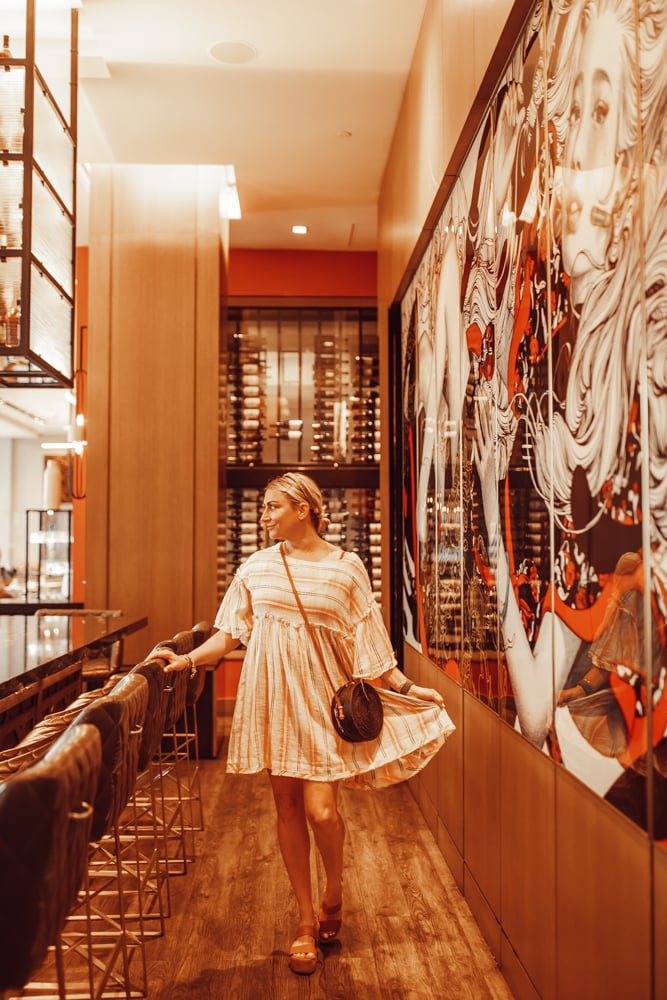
[
  {"x": 396, "y": 680},
  {"x": 213, "y": 650}
]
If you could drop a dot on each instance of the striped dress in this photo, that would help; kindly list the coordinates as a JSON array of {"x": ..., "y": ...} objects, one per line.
[{"x": 282, "y": 719}]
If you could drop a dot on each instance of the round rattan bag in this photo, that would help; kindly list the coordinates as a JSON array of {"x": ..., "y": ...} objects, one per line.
[{"x": 356, "y": 711}]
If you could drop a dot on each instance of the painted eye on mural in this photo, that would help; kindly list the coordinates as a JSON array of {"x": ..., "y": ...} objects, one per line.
[
  {"x": 575, "y": 109},
  {"x": 600, "y": 112}
]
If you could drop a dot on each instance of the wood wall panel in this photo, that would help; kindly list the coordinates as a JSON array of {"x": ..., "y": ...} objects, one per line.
[
  {"x": 98, "y": 394},
  {"x": 481, "y": 797},
  {"x": 443, "y": 780},
  {"x": 527, "y": 853},
  {"x": 603, "y": 898},
  {"x": 483, "y": 912},
  {"x": 660, "y": 911},
  {"x": 212, "y": 259},
  {"x": 155, "y": 261},
  {"x": 514, "y": 973}
]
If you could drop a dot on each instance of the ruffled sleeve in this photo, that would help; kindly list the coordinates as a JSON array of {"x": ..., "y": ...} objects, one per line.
[
  {"x": 235, "y": 615},
  {"x": 373, "y": 653}
]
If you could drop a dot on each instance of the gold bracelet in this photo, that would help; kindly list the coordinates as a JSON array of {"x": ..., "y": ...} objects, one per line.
[
  {"x": 406, "y": 687},
  {"x": 191, "y": 666}
]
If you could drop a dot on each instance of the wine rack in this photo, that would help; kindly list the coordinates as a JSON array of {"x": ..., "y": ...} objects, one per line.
[{"x": 302, "y": 392}]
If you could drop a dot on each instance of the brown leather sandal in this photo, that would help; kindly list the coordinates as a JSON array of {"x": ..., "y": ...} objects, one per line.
[
  {"x": 303, "y": 953},
  {"x": 330, "y": 926}
]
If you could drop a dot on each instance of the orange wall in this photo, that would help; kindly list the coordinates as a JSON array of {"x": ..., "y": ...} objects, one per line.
[{"x": 302, "y": 273}]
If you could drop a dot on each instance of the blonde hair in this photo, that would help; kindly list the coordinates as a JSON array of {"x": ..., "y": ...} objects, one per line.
[{"x": 299, "y": 488}]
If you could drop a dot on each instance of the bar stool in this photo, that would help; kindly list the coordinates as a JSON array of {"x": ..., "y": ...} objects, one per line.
[
  {"x": 19, "y": 712},
  {"x": 148, "y": 823},
  {"x": 45, "y": 821},
  {"x": 97, "y": 932},
  {"x": 184, "y": 743},
  {"x": 28, "y": 704},
  {"x": 37, "y": 742},
  {"x": 60, "y": 687},
  {"x": 173, "y": 766}
]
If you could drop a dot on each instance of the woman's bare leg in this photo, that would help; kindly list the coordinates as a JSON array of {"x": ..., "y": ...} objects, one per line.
[
  {"x": 294, "y": 841},
  {"x": 321, "y": 808}
]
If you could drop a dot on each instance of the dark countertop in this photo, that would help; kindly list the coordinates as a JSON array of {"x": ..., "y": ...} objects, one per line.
[
  {"x": 32, "y": 645},
  {"x": 11, "y": 606}
]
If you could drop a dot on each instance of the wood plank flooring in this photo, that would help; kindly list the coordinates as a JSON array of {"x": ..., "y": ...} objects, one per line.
[{"x": 407, "y": 933}]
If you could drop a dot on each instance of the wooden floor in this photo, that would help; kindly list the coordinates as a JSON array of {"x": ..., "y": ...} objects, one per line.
[{"x": 407, "y": 932}]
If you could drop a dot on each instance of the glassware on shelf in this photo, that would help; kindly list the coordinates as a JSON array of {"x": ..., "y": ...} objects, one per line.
[{"x": 12, "y": 323}]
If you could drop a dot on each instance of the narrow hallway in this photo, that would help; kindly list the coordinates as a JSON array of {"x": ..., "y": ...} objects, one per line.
[{"x": 407, "y": 932}]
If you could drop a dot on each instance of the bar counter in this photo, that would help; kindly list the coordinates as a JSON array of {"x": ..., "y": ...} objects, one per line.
[{"x": 32, "y": 645}]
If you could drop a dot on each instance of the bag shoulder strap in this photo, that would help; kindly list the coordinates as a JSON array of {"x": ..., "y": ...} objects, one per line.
[
  {"x": 305, "y": 617},
  {"x": 294, "y": 590}
]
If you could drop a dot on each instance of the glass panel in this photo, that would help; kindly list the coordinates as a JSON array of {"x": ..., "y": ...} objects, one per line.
[
  {"x": 319, "y": 395},
  {"x": 52, "y": 230},
  {"x": 268, "y": 335},
  {"x": 50, "y": 324},
  {"x": 11, "y": 201},
  {"x": 288, "y": 427},
  {"x": 12, "y": 104},
  {"x": 246, "y": 390},
  {"x": 13, "y": 25},
  {"x": 52, "y": 54},
  {"x": 48, "y": 555},
  {"x": 53, "y": 149},
  {"x": 309, "y": 327},
  {"x": 242, "y": 509}
]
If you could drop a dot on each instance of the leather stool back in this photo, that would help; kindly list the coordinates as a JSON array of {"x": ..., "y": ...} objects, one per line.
[{"x": 44, "y": 831}]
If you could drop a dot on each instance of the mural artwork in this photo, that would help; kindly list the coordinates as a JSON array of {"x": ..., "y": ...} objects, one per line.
[{"x": 535, "y": 405}]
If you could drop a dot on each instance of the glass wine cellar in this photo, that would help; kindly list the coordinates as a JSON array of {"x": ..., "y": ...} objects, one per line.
[{"x": 300, "y": 390}]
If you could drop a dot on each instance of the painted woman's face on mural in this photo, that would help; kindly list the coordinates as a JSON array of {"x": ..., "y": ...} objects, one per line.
[{"x": 590, "y": 152}]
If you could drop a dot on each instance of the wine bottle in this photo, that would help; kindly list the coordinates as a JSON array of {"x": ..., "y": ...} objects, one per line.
[{"x": 13, "y": 324}]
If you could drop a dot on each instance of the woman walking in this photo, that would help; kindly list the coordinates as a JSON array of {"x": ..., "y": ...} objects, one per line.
[{"x": 282, "y": 720}]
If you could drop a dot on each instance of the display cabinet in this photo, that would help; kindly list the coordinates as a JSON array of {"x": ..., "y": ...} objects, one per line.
[
  {"x": 48, "y": 556},
  {"x": 38, "y": 74},
  {"x": 301, "y": 390}
]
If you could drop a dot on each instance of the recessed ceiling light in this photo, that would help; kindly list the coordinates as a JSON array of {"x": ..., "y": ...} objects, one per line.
[
  {"x": 299, "y": 230},
  {"x": 344, "y": 134},
  {"x": 233, "y": 52}
]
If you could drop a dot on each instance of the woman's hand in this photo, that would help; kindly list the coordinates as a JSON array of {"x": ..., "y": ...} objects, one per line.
[
  {"x": 426, "y": 694},
  {"x": 570, "y": 694},
  {"x": 173, "y": 660}
]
